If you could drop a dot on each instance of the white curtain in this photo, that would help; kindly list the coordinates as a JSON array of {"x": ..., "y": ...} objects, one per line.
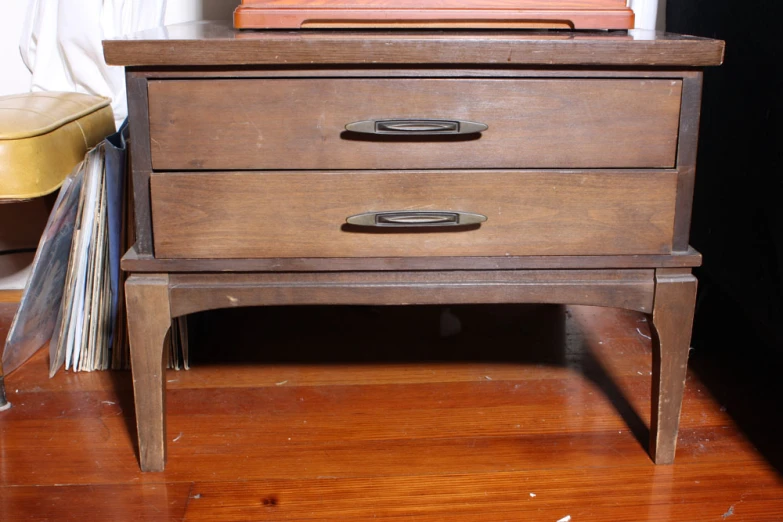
[{"x": 61, "y": 44}]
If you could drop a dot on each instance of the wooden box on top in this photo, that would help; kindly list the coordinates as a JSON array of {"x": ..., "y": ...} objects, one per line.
[{"x": 434, "y": 14}]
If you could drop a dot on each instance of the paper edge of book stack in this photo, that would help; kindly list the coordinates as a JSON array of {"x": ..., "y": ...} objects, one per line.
[
  {"x": 75, "y": 294},
  {"x": 89, "y": 334}
]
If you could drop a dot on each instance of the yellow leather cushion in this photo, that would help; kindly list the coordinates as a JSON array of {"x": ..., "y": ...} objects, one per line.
[{"x": 43, "y": 135}]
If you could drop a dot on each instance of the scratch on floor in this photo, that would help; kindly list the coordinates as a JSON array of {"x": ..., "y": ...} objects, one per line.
[
  {"x": 645, "y": 336},
  {"x": 566, "y": 518},
  {"x": 729, "y": 513}
]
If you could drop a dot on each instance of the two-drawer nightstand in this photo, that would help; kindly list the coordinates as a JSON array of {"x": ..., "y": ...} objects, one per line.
[{"x": 388, "y": 168}]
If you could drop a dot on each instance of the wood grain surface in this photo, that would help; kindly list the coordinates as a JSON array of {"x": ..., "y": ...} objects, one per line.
[
  {"x": 675, "y": 300},
  {"x": 687, "y": 152},
  {"x": 300, "y": 124},
  {"x": 312, "y": 427},
  {"x": 149, "y": 320},
  {"x": 219, "y": 44},
  {"x": 629, "y": 289},
  {"x": 478, "y": 17},
  {"x": 140, "y": 161},
  {"x": 490, "y": 71},
  {"x": 135, "y": 262},
  {"x": 11, "y": 296},
  {"x": 287, "y": 214},
  {"x": 436, "y": 4}
]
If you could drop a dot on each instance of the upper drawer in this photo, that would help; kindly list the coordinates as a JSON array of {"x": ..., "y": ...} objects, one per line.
[{"x": 300, "y": 123}]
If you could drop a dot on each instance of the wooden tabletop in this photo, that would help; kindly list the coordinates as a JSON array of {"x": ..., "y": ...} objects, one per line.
[{"x": 219, "y": 44}]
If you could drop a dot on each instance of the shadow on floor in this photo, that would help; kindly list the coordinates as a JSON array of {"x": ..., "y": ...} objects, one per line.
[
  {"x": 742, "y": 372},
  {"x": 526, "y": 334}
]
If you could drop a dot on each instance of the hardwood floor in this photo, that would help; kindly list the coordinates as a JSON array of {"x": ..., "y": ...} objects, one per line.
[{"x": 531, "y": 413}]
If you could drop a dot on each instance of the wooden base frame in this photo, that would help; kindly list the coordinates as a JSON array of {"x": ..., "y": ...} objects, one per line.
[{"x": 668, "y": 294}]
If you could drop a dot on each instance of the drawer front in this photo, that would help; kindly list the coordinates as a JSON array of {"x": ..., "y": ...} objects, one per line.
[
  {"x": 300, "y": 123},
  {"x": 296, "y": 214}
]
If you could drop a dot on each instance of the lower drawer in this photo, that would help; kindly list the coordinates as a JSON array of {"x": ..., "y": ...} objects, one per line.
[{"x": 285, "y": 214}]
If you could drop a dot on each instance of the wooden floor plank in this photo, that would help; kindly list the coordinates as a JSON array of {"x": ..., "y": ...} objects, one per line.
[
  {"x": 585, "y": 494},
  {"x": 329, "y": 407},
  {"x": 226, "y": 453},
  {"x": 757, "y": 511},
  {"x": 11, "y": 296},
  {"x": 164, "y": 501},
  {"x": 366, "y": 413}
]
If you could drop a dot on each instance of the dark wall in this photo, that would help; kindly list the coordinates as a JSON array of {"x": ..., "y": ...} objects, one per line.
[{"x": 738, "y": 216}]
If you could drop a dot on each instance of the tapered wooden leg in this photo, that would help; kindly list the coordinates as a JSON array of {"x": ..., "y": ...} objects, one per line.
[
  {"x": 675, "y": 299},
  {"x": 149, "y": 319}
]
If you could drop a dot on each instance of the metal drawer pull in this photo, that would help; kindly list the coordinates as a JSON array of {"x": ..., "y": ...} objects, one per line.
[
  {"x": 414, "y": 218},
  {"x": 416, "y": 127}
]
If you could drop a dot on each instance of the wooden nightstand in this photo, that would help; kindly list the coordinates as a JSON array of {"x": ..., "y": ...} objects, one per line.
[{"x": 339, "y": 167}]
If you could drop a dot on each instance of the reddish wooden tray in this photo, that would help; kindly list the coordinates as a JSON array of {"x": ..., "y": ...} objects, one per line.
[{"x": 435, "y": 14}]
